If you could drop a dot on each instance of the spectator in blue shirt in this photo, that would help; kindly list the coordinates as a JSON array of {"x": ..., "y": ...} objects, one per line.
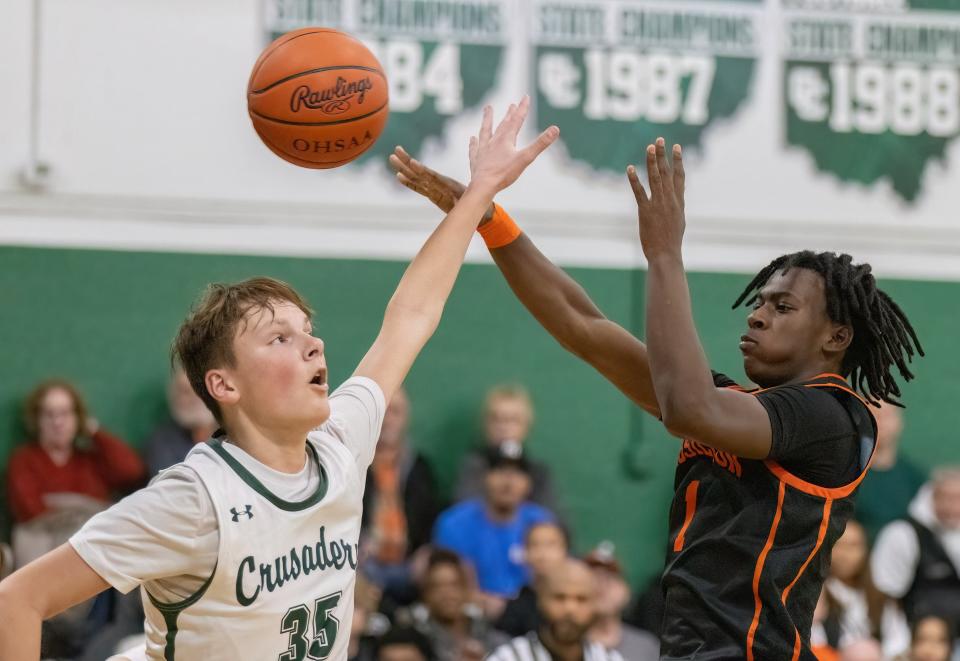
[{"x": 489, "y": 531}]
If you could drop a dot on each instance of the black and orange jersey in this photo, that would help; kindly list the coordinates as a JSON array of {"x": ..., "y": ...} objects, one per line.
[{"x": 750, "y": 545}]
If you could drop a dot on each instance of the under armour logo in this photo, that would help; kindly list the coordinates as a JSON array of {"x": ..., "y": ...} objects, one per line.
[{"x": 247, "y": 511}]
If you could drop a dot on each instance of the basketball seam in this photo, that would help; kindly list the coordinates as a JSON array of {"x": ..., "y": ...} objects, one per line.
[
  {"x": 273, "y": 47},
  {"x": 330, "y": 123},
  {"x": 307, "y": 73}
]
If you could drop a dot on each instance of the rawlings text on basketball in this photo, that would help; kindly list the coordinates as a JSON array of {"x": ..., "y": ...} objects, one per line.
[{"x": 332, "y": 100}]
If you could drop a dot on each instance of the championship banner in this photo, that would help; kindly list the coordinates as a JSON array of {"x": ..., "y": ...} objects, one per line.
[
  {"x": 441, "y": 57},
  {"x": 616, "y": 74},
  {"x": 873, "y": 94}
]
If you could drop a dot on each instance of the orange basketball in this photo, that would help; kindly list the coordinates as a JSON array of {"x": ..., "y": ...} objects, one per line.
[{"x": 317, "y": 98}]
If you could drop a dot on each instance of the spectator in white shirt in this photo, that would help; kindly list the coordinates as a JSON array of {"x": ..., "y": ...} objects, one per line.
[
  {"x": 917, "y": 560},
  {"x": 855, "y": 610}
]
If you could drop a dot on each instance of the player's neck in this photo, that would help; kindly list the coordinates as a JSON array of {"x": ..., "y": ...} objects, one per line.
[
  {"x": 809, "y": 373},
  {"x": 282, "y": 450}
]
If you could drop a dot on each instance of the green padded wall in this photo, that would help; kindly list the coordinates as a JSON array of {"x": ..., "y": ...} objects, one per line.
[{"x": 105, "y": 320}]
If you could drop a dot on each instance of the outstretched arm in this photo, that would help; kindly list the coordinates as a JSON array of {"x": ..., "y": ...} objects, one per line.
[
  {"x": 47, "y": 586},
  {"x": 414, "y": 311},
  {"x": 561, "y": 306},
  {"x": 690, "y": 405}
]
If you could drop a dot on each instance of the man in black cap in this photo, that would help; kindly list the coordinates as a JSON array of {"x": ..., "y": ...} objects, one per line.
[
  {"x": 612, "y": 596},
  {"x": 489, "y": 531}
]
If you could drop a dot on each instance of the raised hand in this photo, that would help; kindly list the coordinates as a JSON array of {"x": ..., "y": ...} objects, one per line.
[
  {"x": 494, "y": 158},
  {"x": 661, "y": 215},
  {"x": 442, "y": 191}
]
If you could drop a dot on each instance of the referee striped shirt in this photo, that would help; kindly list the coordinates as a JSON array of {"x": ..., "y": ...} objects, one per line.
[{"x": 529, "y": 648}]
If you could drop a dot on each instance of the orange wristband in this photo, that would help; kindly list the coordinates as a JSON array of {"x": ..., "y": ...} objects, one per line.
[{"x": 500, "y": 230}]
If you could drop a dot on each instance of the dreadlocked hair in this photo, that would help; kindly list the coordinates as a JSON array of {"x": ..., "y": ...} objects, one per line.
[{"x": 882, "y": 334}]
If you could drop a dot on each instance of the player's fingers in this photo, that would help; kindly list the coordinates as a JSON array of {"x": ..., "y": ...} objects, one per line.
[
  {"x": 486, "y": 125},
  {"x": 653, "y": 173},
  {"x": 472, "y": 150},
  {"x": 638, "y": 192},
  {"x": 417, "y": 167},
  {"x": 529, "y": 153},
  {"x": 519, "y": 116},
  {"x": 406, "y": 181},
  {"x": 401, "y": 153},
  {"x": 400, "y": 167},
  {"x": 503, "y": 128},
  {"x": 663, "y": 167},
  {"x": 679, "y": 177}
]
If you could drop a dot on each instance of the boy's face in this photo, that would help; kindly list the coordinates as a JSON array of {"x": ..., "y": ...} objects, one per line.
[
  {"x": 789, "y": 329},
  {"x": 279, "y": 380},
  {"x": 931, "y": 642},
  {"x": 445, "y": 592},
  {"x": 546, "y": 548},
  {"x": 507, "y": 419}
]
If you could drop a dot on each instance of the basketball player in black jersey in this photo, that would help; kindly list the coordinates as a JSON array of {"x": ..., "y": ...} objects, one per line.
[{"x": 765, "y": 476}]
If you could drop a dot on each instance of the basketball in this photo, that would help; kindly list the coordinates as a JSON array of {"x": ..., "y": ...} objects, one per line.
[{"x": 318, "y": 98}]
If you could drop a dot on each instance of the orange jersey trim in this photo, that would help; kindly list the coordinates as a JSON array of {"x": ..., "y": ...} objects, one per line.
[
  {"x": 691, "y": 503},
  {"x": 821, "y": 535},
  {"x": 758, "y": 604},
  {"x": 829, "y": 493}
]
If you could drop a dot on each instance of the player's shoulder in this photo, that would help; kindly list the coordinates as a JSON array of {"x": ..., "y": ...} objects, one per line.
[
  {"x": 361, "y": 388},
  {"x": 721, "y": 380},
  {"x": 356, "y": 407},
  {"x": 803, "y": 399}
]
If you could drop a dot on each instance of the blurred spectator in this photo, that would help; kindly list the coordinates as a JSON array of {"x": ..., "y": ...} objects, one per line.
[
  {"x": 489, "y": 531},
  {"x": 507, "y": 418},
  {"x": 864, "y": 649},
  {"x": 456, "y": 628},
  {"x": 917, "y": 560},
  {"x": 368, "y": 624},
  {"x": 852, "y": 608},
  {"x": 613, "y": 595},
  {"x": 400, "y": 503},
  {"x": 404, "y": 644},
  {"x": 66, "y": 474},
  {"x": 933, "y": 639},
  {"x": 190, "y": 423},
  {"x": 546, "y": 545},
  {"x": 893, "y": 480},
  {"x": 566, "y": 598}
]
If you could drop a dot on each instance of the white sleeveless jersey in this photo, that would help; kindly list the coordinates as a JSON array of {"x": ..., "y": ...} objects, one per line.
[{"x": 282, "y": 589}]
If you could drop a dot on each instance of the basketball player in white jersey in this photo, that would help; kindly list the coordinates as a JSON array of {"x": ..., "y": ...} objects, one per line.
[{"x": 248, "y": 549}]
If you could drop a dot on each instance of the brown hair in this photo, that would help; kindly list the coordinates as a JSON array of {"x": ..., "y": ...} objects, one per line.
[
  {"x": 205, "y": 338},
  {"x": 34, "y": 401}
]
